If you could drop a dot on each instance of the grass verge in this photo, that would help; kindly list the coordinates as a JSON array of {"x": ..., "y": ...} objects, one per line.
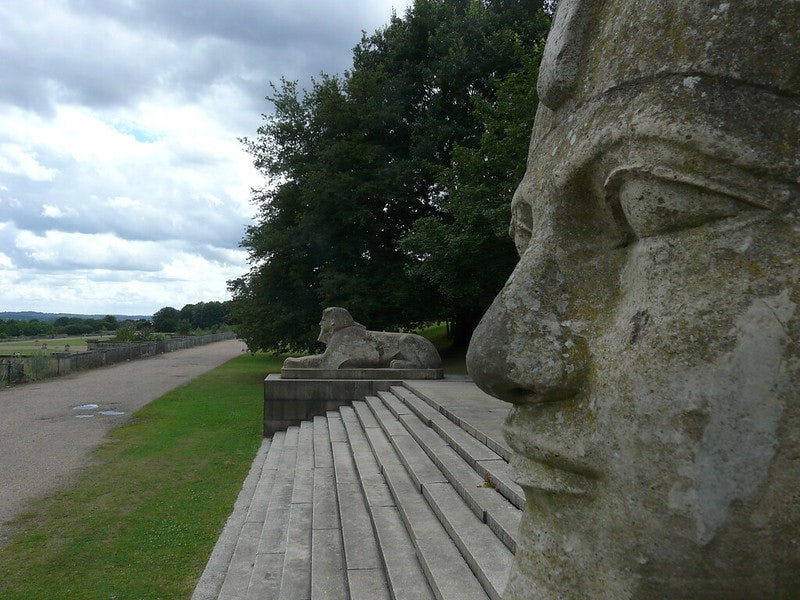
[{"x": 140, "y": 522}]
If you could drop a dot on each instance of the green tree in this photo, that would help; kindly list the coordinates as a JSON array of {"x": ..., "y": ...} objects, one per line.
[
  {"x": 183, "y": 327},
  {"x": 166, "y": 319},
  {"x": 353, "y": 162},
  {"x": 470, "y": 233},
  {"x": 204, "y": 315},
  {"x": 329, "y": 233},
  {"x": 110, "y": 323},
  {"x": 126, "y": 332}
]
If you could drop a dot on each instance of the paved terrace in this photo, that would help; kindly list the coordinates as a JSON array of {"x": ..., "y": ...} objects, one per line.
[{"x": 404, "y": 495}]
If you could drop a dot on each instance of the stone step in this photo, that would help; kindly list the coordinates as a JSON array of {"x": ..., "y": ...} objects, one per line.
[
  {"x": 458, "y": 572},
  {"x": 237, "y": 578},
  {"x": 483, "y": 498},
  {"x": 363, "y": 568},
  {"x": 447, "y": 570},
  {"x": 490, "y": 465},
  {"x": 328, "y": 575},
  {"x": 296, "y": 574},
  {"x": 265, "y": 575},
  {"x": 396, "y": 553},
  {"x": 474, "y": 411},
  {"x": 371, "y": 501}
]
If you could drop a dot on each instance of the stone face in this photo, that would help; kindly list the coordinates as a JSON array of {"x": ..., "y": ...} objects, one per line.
[
  {"x": 350, "y": 345},
  {"x": 649, "y": 337}
]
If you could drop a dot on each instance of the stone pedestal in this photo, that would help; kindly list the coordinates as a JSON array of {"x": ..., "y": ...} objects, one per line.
[{"x": 300, "y": 394}]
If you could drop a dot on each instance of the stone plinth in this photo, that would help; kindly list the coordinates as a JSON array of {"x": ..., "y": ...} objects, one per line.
[
  {"x": 362, "y": 373},
  {"x": 300, "y": 394}
]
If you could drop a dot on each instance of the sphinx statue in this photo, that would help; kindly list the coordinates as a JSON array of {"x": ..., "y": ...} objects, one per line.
[
  {"x": 649, "y": 337},
  {"x": 350, "y": 345}
]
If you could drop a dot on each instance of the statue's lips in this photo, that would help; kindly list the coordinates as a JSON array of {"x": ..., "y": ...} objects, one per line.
[{"x": 536, "y": 465}]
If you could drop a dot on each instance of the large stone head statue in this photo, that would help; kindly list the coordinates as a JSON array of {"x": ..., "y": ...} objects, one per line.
[{"x": 649, "y": 337}]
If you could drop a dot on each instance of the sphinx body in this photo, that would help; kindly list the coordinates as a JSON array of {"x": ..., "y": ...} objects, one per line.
[{"x": 351, "y": 345}]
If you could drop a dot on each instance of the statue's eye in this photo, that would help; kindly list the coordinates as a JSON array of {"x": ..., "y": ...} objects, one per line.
[
  {"x": 655, "y": 205},
  {"x": 521, "y": 223}
]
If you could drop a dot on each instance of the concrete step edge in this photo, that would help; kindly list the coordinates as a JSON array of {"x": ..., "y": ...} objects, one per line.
[
  {"x": 257, "y": 510},
  {"x": 495, "y": 445},
  {"x": 328, "y": 573},
  {"x": 485, "y": 501},
  {"x": 485, "y": 551},
  {"x": 492, "y": 466},
  {"x": 271, "y": 547},
  {"x": 240, "y": 571},
  {"x": 446, "y": 569},
  {"x": 448, "y": 572},
  {"x": 363, "y": 566},
  {"x": 404, "y": 575},
  {"x": 463, "y": 442},
  {"x": 296, "y": 575},
  {"x": 486, "y": 554}
]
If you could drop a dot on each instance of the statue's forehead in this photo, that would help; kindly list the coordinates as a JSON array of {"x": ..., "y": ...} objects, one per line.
[
  {"x": 686, "y": 125},
  {"x": 596, "y": 45}
]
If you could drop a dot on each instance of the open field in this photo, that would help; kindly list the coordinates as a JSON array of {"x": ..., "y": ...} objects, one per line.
[
  {"x": 141, "y": 521},
  {"x": 76, "y": 344}
]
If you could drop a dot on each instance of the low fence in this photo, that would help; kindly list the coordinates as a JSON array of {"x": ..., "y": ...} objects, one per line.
[{"x": 20, "y": 369}]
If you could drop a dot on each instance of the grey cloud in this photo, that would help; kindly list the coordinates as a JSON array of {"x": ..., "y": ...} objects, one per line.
[
  {"x": 142, "y": 56},
  {"x": 111, "y": 52},
  {"x": 255, "y": 22}
]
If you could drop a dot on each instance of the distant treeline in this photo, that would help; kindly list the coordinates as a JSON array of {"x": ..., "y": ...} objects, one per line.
[
  {"x": 203, "y": 316},
  {"x": 61, "y": 326}
]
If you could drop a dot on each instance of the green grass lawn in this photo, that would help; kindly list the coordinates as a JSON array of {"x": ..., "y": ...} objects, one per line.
[{"x": 141, "y": 521}]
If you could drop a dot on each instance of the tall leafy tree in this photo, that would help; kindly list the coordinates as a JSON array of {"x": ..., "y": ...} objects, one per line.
[
  {"x": 166, "y": 319},
  {"x": 353, "y": 162},
  {"x": 328, "y": 232},
  {"x": 464, "y": 250}
]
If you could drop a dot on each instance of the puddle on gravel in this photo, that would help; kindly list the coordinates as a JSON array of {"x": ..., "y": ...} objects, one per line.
[{"x": 94, "y": 407}]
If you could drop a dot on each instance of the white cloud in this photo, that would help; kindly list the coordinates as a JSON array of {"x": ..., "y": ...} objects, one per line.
[
  {"x": 55, "y": 212},
  {"x": 123, "y": 186},
  {"x": 16, "y": 160}
]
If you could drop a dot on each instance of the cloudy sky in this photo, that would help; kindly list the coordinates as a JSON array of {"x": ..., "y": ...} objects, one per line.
[{"x": 123, "y": 188}]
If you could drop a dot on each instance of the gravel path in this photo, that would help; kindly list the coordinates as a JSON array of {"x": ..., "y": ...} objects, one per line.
[{"x": 45, "y": 439}]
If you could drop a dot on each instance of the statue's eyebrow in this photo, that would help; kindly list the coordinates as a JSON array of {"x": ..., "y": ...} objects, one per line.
[{"x": 735, "y": 190}]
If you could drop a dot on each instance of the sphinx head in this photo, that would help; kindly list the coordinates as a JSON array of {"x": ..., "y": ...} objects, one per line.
[
  {"x": 649, "y": 337},
  {"x": 333, "y": 319}
]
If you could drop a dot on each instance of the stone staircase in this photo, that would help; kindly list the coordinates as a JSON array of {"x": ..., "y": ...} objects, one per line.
[{"x": 404, "y": 495}]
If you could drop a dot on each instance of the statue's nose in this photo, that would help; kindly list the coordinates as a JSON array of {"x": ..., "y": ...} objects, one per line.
[{"x": 525, "y": 350}]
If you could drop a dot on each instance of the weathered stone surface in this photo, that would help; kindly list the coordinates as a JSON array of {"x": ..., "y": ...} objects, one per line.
[
  {"x": 350, "y": 345},
  {"x": 362, "y": 373},
  {"x": 288, "y": 402},
  {"x": 649, "y": 337}
]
